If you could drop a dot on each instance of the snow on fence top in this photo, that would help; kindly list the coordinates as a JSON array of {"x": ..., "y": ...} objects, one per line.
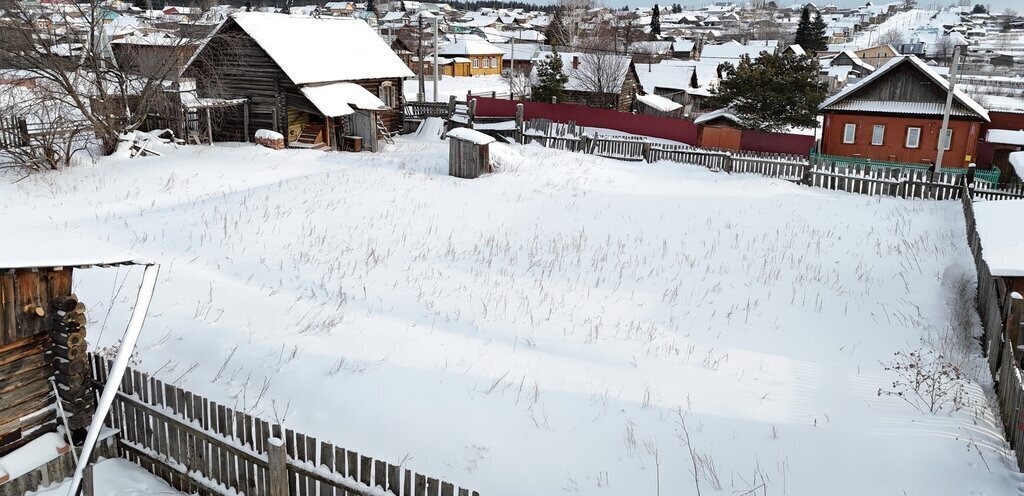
[
  {"x": 32, "y": 248},
  {"x": 357, "y": 52},
  {"x": 1003, "y": 245},
  {"x": 467, "y": 134},
  {"x": 338, "y": 99}
]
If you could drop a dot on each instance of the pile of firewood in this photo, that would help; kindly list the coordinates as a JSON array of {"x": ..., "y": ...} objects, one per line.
[{"x": 71, "y": 363}]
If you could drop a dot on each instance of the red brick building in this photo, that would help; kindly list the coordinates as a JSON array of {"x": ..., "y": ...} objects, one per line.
[{"x": 895, "y": 114}]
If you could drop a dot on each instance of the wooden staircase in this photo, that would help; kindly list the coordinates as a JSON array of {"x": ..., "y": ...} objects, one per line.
[{"x": 310, "y": 137}]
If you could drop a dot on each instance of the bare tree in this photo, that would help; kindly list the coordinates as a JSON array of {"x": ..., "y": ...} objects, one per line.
[
  {"x": 943, "y": 47},
  {"x": 891, "y": 37},
  {"x": 68, "y": 55},
  {"x": 574, "y": 13},
  {"x": 601, "y": 72}
]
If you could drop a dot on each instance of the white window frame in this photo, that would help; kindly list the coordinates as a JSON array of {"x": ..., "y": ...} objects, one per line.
[
  {"x": 878, "y": 138},
  {"x": 386, "y": 93},
  {"x": 948, "y": 141},
  {"x": 476, "y": 63},
  {"x": 849, "y": 133},
  {"x": 917, "y": 140},
  {"x": 494, "y": 62}
]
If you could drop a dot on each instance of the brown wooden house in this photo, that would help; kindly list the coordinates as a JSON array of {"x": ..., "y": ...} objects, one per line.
[
  {"x": 895, "y": 114},
  {"x": 600, "y": 80},
  {"x": 314, "y": 80}
]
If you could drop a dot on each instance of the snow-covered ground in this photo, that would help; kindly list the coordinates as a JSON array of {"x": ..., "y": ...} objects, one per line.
[
  {"x": 117, "y": 477},
  {"x": 559, "y": 326},
  {"x": 457, "y": 86}
]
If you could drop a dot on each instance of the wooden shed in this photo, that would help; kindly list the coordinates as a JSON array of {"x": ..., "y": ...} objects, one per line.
[
  {"x": 469, "y": 153},
  {"x": 312, "y": 80},
  {"x": 43, "y": 347}
]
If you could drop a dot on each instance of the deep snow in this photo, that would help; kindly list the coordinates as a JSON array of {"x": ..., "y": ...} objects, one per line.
[{"x": 545, "y": 328}]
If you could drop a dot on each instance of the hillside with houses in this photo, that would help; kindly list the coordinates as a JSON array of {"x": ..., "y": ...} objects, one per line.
[{"x": 437, "y": 249}]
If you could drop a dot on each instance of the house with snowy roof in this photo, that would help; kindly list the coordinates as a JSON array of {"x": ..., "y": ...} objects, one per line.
[
  {"x": 599, "y": 80},
  {"x": 483, "y": 57},
  {"x": 895, "y": 114},
  {"x": 312, "y": 96}
]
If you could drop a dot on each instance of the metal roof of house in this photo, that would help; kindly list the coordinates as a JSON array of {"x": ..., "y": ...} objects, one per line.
[{"x": 975, "y": 109}]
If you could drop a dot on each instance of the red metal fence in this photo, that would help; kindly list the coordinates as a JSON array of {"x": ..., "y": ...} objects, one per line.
[{"x": 681, "y": 130}]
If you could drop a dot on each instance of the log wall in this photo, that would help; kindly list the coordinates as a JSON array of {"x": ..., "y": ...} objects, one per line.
[{"x": 41, "y": 337}]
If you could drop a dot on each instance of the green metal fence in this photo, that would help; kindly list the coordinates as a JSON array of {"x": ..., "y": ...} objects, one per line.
[{"x": 991, "y": 176}]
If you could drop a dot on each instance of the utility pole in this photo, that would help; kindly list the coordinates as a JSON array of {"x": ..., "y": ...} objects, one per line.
[
  {"x": 512, "y": 71},
  {"x": 949, "y": 107},
  {"x": 421, "y": 94},
  {"x": 435, "y": 59}
]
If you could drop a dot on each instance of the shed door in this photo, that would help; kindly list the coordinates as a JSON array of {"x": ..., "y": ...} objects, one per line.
[
  {"x": 721, "y": 137},
  {"x": 363, "y": 123}
]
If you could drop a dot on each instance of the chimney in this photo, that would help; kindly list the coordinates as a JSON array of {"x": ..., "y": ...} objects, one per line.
[{"x": 575, "y": 62}]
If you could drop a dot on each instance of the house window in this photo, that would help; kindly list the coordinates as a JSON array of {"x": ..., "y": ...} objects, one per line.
[
  {"x": 913, "y": 137},
  {"x": 387, "y": 94},
  {"x": 476, "y": 63},
  {"x": 494, "y": 62},
  {"x": 849, "y": 133},
  {"x": 878, "y": 134},
  {"x": 946, "y": 140}
]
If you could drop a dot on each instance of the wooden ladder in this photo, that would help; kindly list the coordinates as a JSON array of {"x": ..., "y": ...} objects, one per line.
[{"x": 383, "y": 130}]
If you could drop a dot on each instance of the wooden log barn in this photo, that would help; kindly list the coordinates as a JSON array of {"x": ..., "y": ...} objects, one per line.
[
  {"x": 318, "y": 81},
  {"x": 44, "y": 370}
]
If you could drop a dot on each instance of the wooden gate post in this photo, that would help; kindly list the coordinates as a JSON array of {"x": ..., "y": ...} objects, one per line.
[
  {"x": 88, "y": 482},
  {"x": 1012, "y": 325},
  {"x": 520, "y": 111},
  {"x": 277, "y": 475}
]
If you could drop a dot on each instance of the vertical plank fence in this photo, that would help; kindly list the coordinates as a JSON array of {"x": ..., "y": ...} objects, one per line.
[
  {"x": 1001, "y": 312},
  {"x": 199, "y": 446}
]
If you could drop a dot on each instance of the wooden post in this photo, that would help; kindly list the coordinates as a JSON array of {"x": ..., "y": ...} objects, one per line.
[
  {"x": 520, "y": 112},
  {"x": 23, "y": 131},
  {"x": 245, "y": 120},
  {"x": 472, "y": 112},
  {"x": 1012, "y": 327},
  {"x": 727, "y": 163},
  {"x": 277, "y": 475},
  {"x": 647, "y": 151},
  {"x": 88, "y": 483},
  {"x": 209, "y": 126}
]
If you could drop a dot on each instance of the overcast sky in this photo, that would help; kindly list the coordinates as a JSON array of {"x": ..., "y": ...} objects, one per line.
[{"x": 997, "y": 5}]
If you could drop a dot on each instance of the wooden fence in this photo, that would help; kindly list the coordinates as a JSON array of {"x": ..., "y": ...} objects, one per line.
[
  {"x": 852, "y": 178},
  {"x": 201, "y": 447},
  {"x": 1000, "y": 311}
]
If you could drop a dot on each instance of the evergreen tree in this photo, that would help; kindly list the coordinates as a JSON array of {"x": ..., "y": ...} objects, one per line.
[
  {"x": 656, "y": 21},
  {"x": 554, "y": 31},
  {"x": 551, "y": 80},
  {"x": 371, "y": 6},
  {"x": 817, "y": 37},
  {"x": 803, "y": 28},
  {"x": 772, "y": 92}
]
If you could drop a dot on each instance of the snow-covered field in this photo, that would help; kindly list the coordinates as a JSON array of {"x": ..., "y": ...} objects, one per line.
[{"x": 560, "y": 326}]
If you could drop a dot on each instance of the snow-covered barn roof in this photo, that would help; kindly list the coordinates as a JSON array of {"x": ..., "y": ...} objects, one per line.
[
  {"x": 358, "y": 52},
  {"x": 835, "y": 101}
]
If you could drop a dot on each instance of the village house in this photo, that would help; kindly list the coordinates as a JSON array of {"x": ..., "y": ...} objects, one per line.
[
  {"x": 478, "y": 57},
  {"x": 895, "y": 114},
  {"x": 600, "y": 80},
  {"x": 314, "y": 98}
]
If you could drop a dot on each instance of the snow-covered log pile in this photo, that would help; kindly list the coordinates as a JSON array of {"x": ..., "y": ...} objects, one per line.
[{"x": 270, "y": 139}]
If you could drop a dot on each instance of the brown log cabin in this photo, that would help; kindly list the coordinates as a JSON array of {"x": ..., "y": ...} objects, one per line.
[{"x": 314, "y": 80}]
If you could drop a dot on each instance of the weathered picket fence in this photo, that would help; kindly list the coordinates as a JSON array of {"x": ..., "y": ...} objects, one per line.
[
  {"x": 201, "y": 447},
  {"x": 874, "y": 180},
  {"x": 1001, "y": 312}
]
